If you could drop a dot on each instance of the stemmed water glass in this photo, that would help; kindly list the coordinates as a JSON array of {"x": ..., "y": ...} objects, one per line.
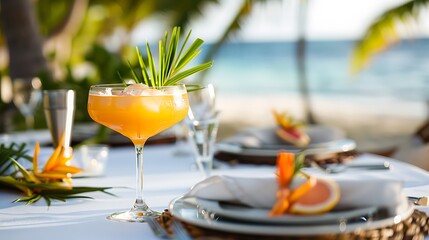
[
  {"x": 203, "y": 123},
  {"x": 137, "y": 112},
  {"x": 202, "y": 102},
  {"x": 26, "y": 97}
]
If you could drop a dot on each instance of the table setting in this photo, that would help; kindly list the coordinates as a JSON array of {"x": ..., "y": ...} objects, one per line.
[{"x": 286, "y": 180}]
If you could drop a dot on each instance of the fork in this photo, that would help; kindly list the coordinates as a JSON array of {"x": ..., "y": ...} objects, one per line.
[
  {"x": 156, "y": 228},
  {"x": 338, "y": 168},
  {"x": 179, "y": 231}
]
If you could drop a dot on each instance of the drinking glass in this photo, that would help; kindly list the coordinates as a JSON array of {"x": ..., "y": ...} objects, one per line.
[
  {"x": 203, "y": 123},
  {"x": 202, "y": 103},
  {"x": 26, "y": 97},
  {"x": 203, "y": 133},
  {"x": 137, "y": 112}
]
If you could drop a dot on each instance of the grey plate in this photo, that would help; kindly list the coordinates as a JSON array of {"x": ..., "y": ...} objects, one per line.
[{"x": 188, "y": 210}]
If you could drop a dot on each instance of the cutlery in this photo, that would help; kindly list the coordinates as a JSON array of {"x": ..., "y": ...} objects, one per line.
[
  {"x": 419, "y": 201},
  {"x": 179, "y": 231},
  {"x": 343, "y": 145},
  {"x": 338, "y": 168},
  {"x": 156, "y": 228}
]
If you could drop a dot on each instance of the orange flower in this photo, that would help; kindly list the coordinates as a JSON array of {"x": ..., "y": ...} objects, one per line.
[
  {"x": 57, "y": 167},
  {"x": 285, "y": 197}
]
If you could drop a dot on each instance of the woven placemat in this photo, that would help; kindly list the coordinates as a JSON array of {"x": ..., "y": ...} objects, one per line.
[{"x": 415, "y": 227}]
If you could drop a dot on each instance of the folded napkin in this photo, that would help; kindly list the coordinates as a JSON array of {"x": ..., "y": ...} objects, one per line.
[{"x": 261, "y": 192}]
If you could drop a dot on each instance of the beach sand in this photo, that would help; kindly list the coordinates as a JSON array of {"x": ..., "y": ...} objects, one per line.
[{"x": 374, "y": 123}]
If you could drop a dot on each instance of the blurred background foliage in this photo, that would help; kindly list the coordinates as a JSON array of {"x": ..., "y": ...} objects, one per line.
[{"x": 88, "y": 42}]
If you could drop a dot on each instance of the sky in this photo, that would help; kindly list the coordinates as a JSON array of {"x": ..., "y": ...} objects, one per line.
[
  {"x": 327, "y": 19},
  {"x": 276, "y": 20}
]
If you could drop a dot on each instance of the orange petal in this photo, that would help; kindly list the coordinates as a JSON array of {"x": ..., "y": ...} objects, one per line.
[
  {"x": 302, "y": 189},
  {"x": 52, "y": 159},
  {"x": 66, "y": 169},
  {"x": 286, "y": 167},
  {"x": 36, "y": 158},
  {"x": 282, "y": 204},
  {"x": 52, "y": 175}
]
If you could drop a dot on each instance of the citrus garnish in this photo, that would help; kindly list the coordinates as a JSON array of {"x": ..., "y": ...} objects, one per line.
[
  {"x": 290, "y": 129},
  {"x": 319, "y": 199},
  {"x": 314, "y": 196}
]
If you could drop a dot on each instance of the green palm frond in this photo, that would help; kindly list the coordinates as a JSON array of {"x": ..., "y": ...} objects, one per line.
[
  {"x": 12, "y": 151},
  {"x": 382, "y": 33},
  {"x": 173, "y": 57},
  {"x": 234, "y": 26}
]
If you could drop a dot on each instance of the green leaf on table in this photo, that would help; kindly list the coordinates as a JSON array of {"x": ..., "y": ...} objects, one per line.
[
  {"x": 34, "y": 188},
  {"x": 14, "y": 151}
]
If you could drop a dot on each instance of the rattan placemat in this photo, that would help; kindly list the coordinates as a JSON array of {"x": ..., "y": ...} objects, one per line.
[{"x": 415, "y": 227}]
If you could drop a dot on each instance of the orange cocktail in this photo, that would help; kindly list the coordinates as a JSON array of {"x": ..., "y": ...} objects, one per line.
[
  {"x": 138, "y": 117},
  {"x": 137, "y": 112}
]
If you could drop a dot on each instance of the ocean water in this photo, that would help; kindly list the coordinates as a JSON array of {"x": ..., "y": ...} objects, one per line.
[
  {"x": 379, "y": 107},
  {"x": 401, "y": 72}
]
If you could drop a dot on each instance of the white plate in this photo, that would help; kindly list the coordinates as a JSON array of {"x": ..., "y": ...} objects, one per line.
[
  {"x": 264, "y": 142},
  {"x": 188, "y": 210},
  {"x": 261, "y": 215},
  {"x": 343, "y": 145}
]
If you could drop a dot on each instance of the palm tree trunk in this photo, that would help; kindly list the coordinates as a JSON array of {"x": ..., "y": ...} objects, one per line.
[
  {"x": 20, "y": 28},
  {"x": 301, "y": 63},
  {"x": 25, "y": 51}
]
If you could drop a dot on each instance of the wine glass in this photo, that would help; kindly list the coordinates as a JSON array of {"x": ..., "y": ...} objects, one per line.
[
  {"x": 137, "y": 112},
  {"x": 26, "y": 97},
  {"x": 203, "y": 123},
  {"x": 202, "y": 102}
]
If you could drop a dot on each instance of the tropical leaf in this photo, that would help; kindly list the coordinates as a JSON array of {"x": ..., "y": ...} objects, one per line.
[
  {"x": 48, "y": 184},
  {"x": 384, "y": 32},
  {"x": 14, "y": 151},
  {"x": 171, "y": 61}
]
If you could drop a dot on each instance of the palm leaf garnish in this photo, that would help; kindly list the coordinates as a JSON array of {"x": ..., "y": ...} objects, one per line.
[
  {"x": 53, "y": 182},
  {"x": 172, "y": 60}
]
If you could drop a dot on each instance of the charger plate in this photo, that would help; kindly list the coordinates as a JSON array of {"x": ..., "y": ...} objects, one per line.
[
  {"x": 189, "y": 211},
  {"x": 260, "y": 215}
]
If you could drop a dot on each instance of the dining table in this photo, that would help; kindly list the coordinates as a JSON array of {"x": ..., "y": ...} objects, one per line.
[{"x": 168, "y": 174}]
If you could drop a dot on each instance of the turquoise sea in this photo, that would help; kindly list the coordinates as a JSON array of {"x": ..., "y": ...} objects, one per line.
[{"x": 401, "y": 72}]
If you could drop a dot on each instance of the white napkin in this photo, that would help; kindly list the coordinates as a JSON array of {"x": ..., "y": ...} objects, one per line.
[{"x": 261, "y": 192}]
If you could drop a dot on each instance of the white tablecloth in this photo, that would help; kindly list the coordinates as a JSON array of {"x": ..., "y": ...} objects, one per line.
[{"x": 167, "y": 175}]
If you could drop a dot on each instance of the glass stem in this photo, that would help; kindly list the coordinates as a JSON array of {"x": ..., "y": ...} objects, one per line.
[
  {"x": 29, "y": 121},
  {"x": 139, "y": 204}
]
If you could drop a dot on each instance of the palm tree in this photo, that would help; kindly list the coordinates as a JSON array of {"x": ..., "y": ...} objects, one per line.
[
  {"x": 22, "y": 36},
  {"x": 384, "y": 32},
  {"x": 301, "y": 62}
]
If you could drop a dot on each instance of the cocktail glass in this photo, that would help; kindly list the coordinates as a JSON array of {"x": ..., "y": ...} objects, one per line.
[
  {"x": 26, "y": 97},
  {"x": 137, "y": 112}
]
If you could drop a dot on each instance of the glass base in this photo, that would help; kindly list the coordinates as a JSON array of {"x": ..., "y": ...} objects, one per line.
[{"x": 132, "y": 215}]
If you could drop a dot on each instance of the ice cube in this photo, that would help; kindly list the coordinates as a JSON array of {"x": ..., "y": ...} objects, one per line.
[
  {"x": 135, "y": 89},
  {"x": 174, "y": 91},
  {"x": 151, "y": 92},
  {"x": 104, "y": 92}
]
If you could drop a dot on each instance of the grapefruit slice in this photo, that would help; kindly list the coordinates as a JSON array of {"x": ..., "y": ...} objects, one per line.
[
  {"x": 293, "y": 136},
  {"x": 321, "y": 198}
]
